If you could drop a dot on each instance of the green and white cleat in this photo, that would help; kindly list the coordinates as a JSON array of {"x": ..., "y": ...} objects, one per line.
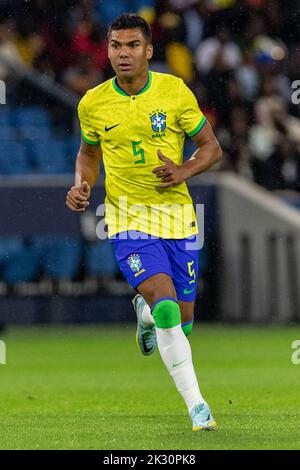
[
  {"x": 145, "y": 334},
  {"x": 202, "y": 418}
]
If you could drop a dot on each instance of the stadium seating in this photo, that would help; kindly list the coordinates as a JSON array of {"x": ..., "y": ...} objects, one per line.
[
  {"x": 49, "y": 156},
  {"x": 13, "y": 158},
  {"x": 7, "y": 130},
  {"x": 29, "y": 145},
  {"x": 18, "y": 262},
  {"x": 71, "y": 147},
  {"x": 60, "y": 256},
  {"x": 33, "y": 122},
  {"x": 100, "y": 259},
  {"x": 10, "y": 246},
  {"x": 53, "y": 256},
  {"x": 21, "y": 267}
]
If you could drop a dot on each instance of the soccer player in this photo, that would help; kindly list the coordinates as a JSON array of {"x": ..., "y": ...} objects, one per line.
[{"x": 137, "y": 122}]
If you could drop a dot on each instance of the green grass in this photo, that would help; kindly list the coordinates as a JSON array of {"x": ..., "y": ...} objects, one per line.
[{"x": 89, "y": 388}]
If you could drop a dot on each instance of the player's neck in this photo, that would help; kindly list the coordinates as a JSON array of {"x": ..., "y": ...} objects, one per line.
[{"x": 136, "y": 85}]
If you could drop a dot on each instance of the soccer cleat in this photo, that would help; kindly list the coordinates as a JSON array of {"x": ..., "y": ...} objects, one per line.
[
  {"x": 202, "y": 418},
  {"x": 145, "y": 334}
]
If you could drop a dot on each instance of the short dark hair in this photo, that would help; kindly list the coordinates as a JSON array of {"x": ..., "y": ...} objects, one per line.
[{"x": 131, "y": 21}]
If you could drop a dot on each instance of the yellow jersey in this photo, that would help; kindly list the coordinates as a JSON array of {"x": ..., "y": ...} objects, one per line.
[{"x": 130, "y": 130}]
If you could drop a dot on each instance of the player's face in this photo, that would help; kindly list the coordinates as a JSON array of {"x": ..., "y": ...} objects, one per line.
[{"x": 129, "y": 52}]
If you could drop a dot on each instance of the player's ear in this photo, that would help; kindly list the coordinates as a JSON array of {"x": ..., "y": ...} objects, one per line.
[{"x": 149, "y": 51}]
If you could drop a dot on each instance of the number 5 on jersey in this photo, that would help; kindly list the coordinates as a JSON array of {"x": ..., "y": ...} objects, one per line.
[{"x": 138, "y": 152}]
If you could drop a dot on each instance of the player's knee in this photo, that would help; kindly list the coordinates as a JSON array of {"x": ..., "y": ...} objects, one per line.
[
  {"x": 157, "y": 287},
  {"x": 187, "y": 327},
  {"x": 166, "y": 313}
]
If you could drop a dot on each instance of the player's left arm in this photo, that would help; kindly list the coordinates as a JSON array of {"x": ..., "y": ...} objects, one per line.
[{"x": 207, "y": 154}]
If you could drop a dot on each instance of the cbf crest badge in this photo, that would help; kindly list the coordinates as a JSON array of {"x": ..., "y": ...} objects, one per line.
[
  {"x": 159, "y": 122},
  {"x": 135, "y": 264}
]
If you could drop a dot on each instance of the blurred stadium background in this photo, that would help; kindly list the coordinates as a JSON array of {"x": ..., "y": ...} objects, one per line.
[{"x": 241, "y": 59}]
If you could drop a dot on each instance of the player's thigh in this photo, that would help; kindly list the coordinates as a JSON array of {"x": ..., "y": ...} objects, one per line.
[
  {"x": 157, "y": 287},
  {"x": 187, "y": 310},
  {"x": 183, "y": 255}
]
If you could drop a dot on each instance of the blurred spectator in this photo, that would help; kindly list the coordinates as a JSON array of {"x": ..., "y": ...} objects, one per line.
[
  {"x": 88, "y": 40},
  {"x": 237, "y": 155},
  {"x": 282, "y": 169},
  {"x": 29, "y": 42},
  {"x": 273, "y": 122},
  {"x": 219, "y": 54},
  {"x": 8, "y": 49},
  {"x": 247, "y": 77},
  {"x": 82, "y": 76},
  {"x": 43, "y": 65},
  {"x": 180, "y": 61}
]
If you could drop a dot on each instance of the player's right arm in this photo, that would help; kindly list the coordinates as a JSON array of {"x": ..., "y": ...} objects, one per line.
[
  {"x": 86, "y": 176},
  {"x": 88, "y": 158}
]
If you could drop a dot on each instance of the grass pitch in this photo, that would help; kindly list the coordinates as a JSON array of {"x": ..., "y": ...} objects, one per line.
[{"x": 89, "y": 388}]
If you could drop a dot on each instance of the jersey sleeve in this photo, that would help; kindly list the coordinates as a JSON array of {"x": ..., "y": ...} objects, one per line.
[
  {"x": 191, "y": 118},
  {"x": 87, "y": 131}
]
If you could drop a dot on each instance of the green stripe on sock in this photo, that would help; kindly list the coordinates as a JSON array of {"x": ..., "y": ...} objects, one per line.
[
  {"x": 166, "y": 314},
  {"x": 187, "y": 329}
]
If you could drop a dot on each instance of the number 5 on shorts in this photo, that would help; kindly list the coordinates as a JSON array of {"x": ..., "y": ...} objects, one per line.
[{"x": 191, "y": 272}]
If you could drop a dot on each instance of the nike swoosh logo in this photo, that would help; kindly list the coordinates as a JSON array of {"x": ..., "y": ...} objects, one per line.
[
  {"x": 110, "y": 128},
  {"x": 146, "y": 349},
  {"x": 189, "y": 291},
  {"x": 175, "y": 365}
]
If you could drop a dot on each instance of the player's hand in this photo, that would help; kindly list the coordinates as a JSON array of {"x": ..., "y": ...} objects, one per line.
[
  {"x": 77, "y": 197},
  {"x": 170, "y": 173}
]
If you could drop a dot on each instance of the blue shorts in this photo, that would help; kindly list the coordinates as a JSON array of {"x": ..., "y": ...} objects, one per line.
[{"x": 142, "y": 258}]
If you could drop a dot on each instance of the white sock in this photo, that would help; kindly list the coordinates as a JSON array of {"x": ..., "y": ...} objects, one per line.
[
  {"x": 146, "y": 316},
  {"x": 175, "y": 349}
]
